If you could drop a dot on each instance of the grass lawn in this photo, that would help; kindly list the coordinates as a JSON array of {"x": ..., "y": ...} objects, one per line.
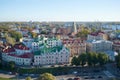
[{"x": 5, "y": 79}]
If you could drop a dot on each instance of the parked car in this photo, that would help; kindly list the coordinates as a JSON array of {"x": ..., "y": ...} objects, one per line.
[
  {"x": 76, "y": 78},
  {"x": 69, "y": 79}
]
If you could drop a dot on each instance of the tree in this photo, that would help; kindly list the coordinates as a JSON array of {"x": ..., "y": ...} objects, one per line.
[
  {"x": 11, "y": 65},
  {"x": 10, "y": 40},
  {"x": 16, "y": 35},
  {"x": 83, "y": 33},
  {"x": 94, "y": 58},
  {"x": 83, "y": 59},
  {"x": 34, "y": 35},
  {"x": 89, "y": 58},
  {"x": 28, "y": 78},
  {"x": 75, "y": 61},
  {"x": 102, "y": 58},
  {"x": 43, "y": 32},
  {"x": 46, "y": 76},
  {"x": 117, "y": 59},
  {"x": 93, "y": 29}
]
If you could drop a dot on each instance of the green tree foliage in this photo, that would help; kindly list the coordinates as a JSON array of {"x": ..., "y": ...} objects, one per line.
[
  {"x": 46, "y": 76},
  {"x": 83, "y": 59},
  {"x": 43, "y": 32},
  {"x": 93, "y": 29},
  {"x": 75, "y": 61},
  {"x": 28, "y": 78},
  {"x": 102, "y": 58},
  {"x": 83, "y": 33},
  {"x": 117, "y": 59},
  {"x": 94, "y": 58},
  {"x": 91, "y": 59},
  {"x": 34, "y": 35},
  {"x": 11, "y": 65},
  {"x": 10, "y": 40},
  {"x": 16, "y": 35}
]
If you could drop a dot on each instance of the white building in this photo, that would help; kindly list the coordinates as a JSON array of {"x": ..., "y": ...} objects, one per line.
[
  {"x": 20, "y": 55},
  {"x": 51, "y": 51},
  {"x": 99, "y": 45},
  {"x": 46, "y": 51},
  {"x": 21, "y": 49},
  {"x": 97, "y": 36},
  {"x": 28, "y": 42},
  {"x": 35, "y": 44},
  {"x": 111, "y": 55},
  {"x": 54, "y": 55}
]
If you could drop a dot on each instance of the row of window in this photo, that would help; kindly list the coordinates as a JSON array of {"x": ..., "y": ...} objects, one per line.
[{"x": 38, "y": 57}]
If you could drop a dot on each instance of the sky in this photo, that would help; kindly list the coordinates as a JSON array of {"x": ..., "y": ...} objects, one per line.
[{"x": 59, "y": 10}]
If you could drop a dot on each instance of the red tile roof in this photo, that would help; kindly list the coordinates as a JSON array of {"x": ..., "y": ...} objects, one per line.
[
  {"x": 97, "y": 33},
  {"x": 21, "y": 47},
  {"x": 8, "y": 50},
  {"x": 25, "y": 55},
  {"x": 117, "y": 43},
  {"x": 72, "y": 41}
]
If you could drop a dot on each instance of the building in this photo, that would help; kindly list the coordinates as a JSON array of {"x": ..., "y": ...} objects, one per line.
[
  {"x": 99, "y": 45},
  {"x": 75, "y": 28},
  {"x": 75, "y": 45},
  {"x": 116, "y": 46},
  {"x": 111, "y": 54},
  {"x": 40, "y": 51},
  {"x": 54, "y": 55},
  {"x": 97, "y": 36},
  {"x": 20, "y": 55},
  {"x": 51, "y": 52}
]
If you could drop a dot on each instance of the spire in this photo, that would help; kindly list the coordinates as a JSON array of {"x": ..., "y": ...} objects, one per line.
[{"x": 75, "y": 28}]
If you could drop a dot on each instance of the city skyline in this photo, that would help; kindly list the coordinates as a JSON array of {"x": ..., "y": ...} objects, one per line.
[{"x": 59, "y": 10}]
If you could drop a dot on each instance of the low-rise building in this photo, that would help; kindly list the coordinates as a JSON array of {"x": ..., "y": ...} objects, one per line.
[
  {"x": 51, "y": 51},
  {"x": 116, "y": 46},
  {"x": 111, "y": 54},
  {"x": 99, "y": 45},
  {"x": 75, "y": 45},
  {"x": 10, "y": 54},
  {"x": 97, "y": 36},
  {"x": 54, "y": 55}
]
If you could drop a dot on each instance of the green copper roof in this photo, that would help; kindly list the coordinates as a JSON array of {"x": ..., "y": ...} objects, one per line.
[
  {"x": 48, "y": 50},
  {"x": 52, "y": 39},
  {"x": 38, "y": 39}
]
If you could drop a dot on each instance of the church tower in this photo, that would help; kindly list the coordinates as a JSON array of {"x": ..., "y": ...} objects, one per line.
[{"x": 75, "y": 28}]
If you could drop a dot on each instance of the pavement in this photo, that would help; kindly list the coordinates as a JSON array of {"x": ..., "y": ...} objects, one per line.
[{"x": 6, "y": 75}]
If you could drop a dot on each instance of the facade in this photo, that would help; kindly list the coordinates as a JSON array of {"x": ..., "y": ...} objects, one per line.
[
  {"x": 99, "y": 45},
  {"x": 17, "y": 55},
  {"x": 41, "y": 51},
  {"x": 51, "y": 51},
  {"x": 111, "y": 54},
  {"x": 54, "y": 55},
  {"x": 116, "y": 46},
  {"x": 76, "y": 46},
  {"x": 97, "y": 36}
]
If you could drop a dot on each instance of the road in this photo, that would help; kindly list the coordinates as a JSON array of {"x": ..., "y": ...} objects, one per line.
[{"x": 112, "y": 69}]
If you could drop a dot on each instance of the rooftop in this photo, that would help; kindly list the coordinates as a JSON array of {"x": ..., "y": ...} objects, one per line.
[
  {"x": 8, "y": 50},
  {"x": 48, "y": 50},
  {"x": 97, "y": 33},
  {"x": 97, "y": 41},
  {"x": 21, "y": 47},
  {"x": 25, "y": 55}
]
